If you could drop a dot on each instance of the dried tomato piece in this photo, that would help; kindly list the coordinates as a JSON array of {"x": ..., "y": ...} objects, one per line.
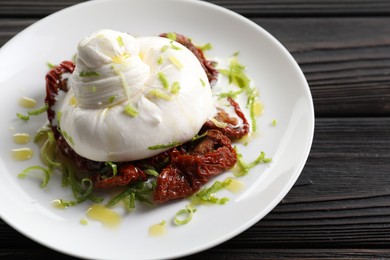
[
  {"x": 207, "y": 65},
  {"x": 55, "y": 81},
  {"x": 127, "y": 173},
  {"x": 231, "y": 130},
  {"x": 186, "y": 173}
]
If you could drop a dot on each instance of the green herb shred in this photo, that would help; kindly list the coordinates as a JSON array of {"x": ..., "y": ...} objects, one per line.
[
  {"x": 163, "y": 79},
  {"x": 34, "y": 112},
  {"x": 184, "y": 216},
  {"x": 172, "y": 36},
  {"x": 236, "y": 73},
  {"x": 197, "y": 137},
  {"x": 173, "y": 46},
  {"x": 208, "y": 194},
  {"x": 175, "y": 88},
  {"x": 202, "y": 82},
  {"x": 120, "y": 41},
  {"x": 113, "y": 167},
  {"x": 163, "y": 146},
  {"x": 45, "y": 171},
  {"x": 51, "y": 65},
  {"x": 130, "y": 110},
  {"x": 85, "y": 74},
  {"x": 139, "y": 191},
  {"x": 243, "y": 168},
  {"x": 160, "y": 60},
  {"x": 159, "y": 94},
  {"x": 206, "y": 47},
  {"x": 111, "y": 99}
]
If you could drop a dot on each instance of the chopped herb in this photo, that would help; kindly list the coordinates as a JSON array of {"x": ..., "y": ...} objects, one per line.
[
  {"x": 175, "y": 88},
  {"x": 163, "y": 146},
  {"x": 236, "y": 73},
  {"x": 38, "y": 111},
  {"x": 159, "y": 94},
  {"x": 151, "y": 172},
  {"x": 85, "y": 74},
  {"x": 160, "y": 60},
  {"x": 41, "y": 133},
  {"x": 120, "y": 41},
  {"x": 121, "y": 58},
  {"x": 173, "y": 46},
  {"x": 59, "y": 116},
  {"x": 163, "y": 79},
  {"x": 34, "y": 112},
  {"x": 184, "y": 216},
  {"x": 45, "y": 171},
  {"x": 138, "y": 191},
  {"x": 175, "y": 62},
  {"x": 78, "y": 188},
  {"x": 205, "y": 47},
  {"x": 202, "y": 82},
  {"x": 243, "y": 168},
  {"x": 111, "y": 99},
  {"x": 208, "y": 194},
  {"x": 164, "y": 48},
  {"x": 114, "y": 168},
  {"x": 274, "y": 122},
  {"x": 130, "y": 110},
  {"x": 67, "y": 136},
  {"x": 171, "y": 36},
  {"x": 252, "y": 104},
  {"x": 231, "y": 94},
  {"x": 51, "y": 65},
  {"x": 23, "y": 117},
  {"x": 197, "y": 137}
]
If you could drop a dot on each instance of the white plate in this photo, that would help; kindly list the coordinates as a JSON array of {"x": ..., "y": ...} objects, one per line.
[{"x": 284, "y": 92}]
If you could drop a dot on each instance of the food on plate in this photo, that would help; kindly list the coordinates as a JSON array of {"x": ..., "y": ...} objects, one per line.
[{"x": 140, "y": 114}]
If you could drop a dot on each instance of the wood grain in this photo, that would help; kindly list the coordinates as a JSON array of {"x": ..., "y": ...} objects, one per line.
[
  {"x": 340, "y": 206},
  {"x": 249, "y": 8},
  {"x": 345, "y": 60}
]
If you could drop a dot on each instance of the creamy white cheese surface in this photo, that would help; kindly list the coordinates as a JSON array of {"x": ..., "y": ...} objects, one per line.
[{"x": 129, "y": 94}]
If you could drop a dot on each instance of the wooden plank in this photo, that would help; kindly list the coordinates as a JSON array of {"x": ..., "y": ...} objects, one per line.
[
  {"x": 346, "y": 60},
  {"x": 10, "y": 27},
  {"x": 251, "y": 8},
  {"x": 305, "y": 8}
]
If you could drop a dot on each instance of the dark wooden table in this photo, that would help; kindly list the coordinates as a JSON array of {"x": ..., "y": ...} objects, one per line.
[{"x": 340, "y": 206}]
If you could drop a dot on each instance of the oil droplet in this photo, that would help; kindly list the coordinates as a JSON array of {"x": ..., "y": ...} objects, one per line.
[
  {"x": 158, "y": 229},
  {"x": 21, "y": 138},
  {"x": 22, "y": 154},
  {"x": 258, "y": 108},
  {"x": 83, "y": 221},
  {"x": 73, "y": 101},
  {"x": 106, "y": 216},
  {"x": 27, "y": 102},
  {"x": 235, "y": 186}
]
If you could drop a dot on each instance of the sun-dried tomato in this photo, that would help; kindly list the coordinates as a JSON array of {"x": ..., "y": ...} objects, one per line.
[
  {"x": 127, "y": 173},
  {"x": 187, "y": 172},
  {"x": 232, "y": 130},
  {"x": 55, "y": 82}
]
